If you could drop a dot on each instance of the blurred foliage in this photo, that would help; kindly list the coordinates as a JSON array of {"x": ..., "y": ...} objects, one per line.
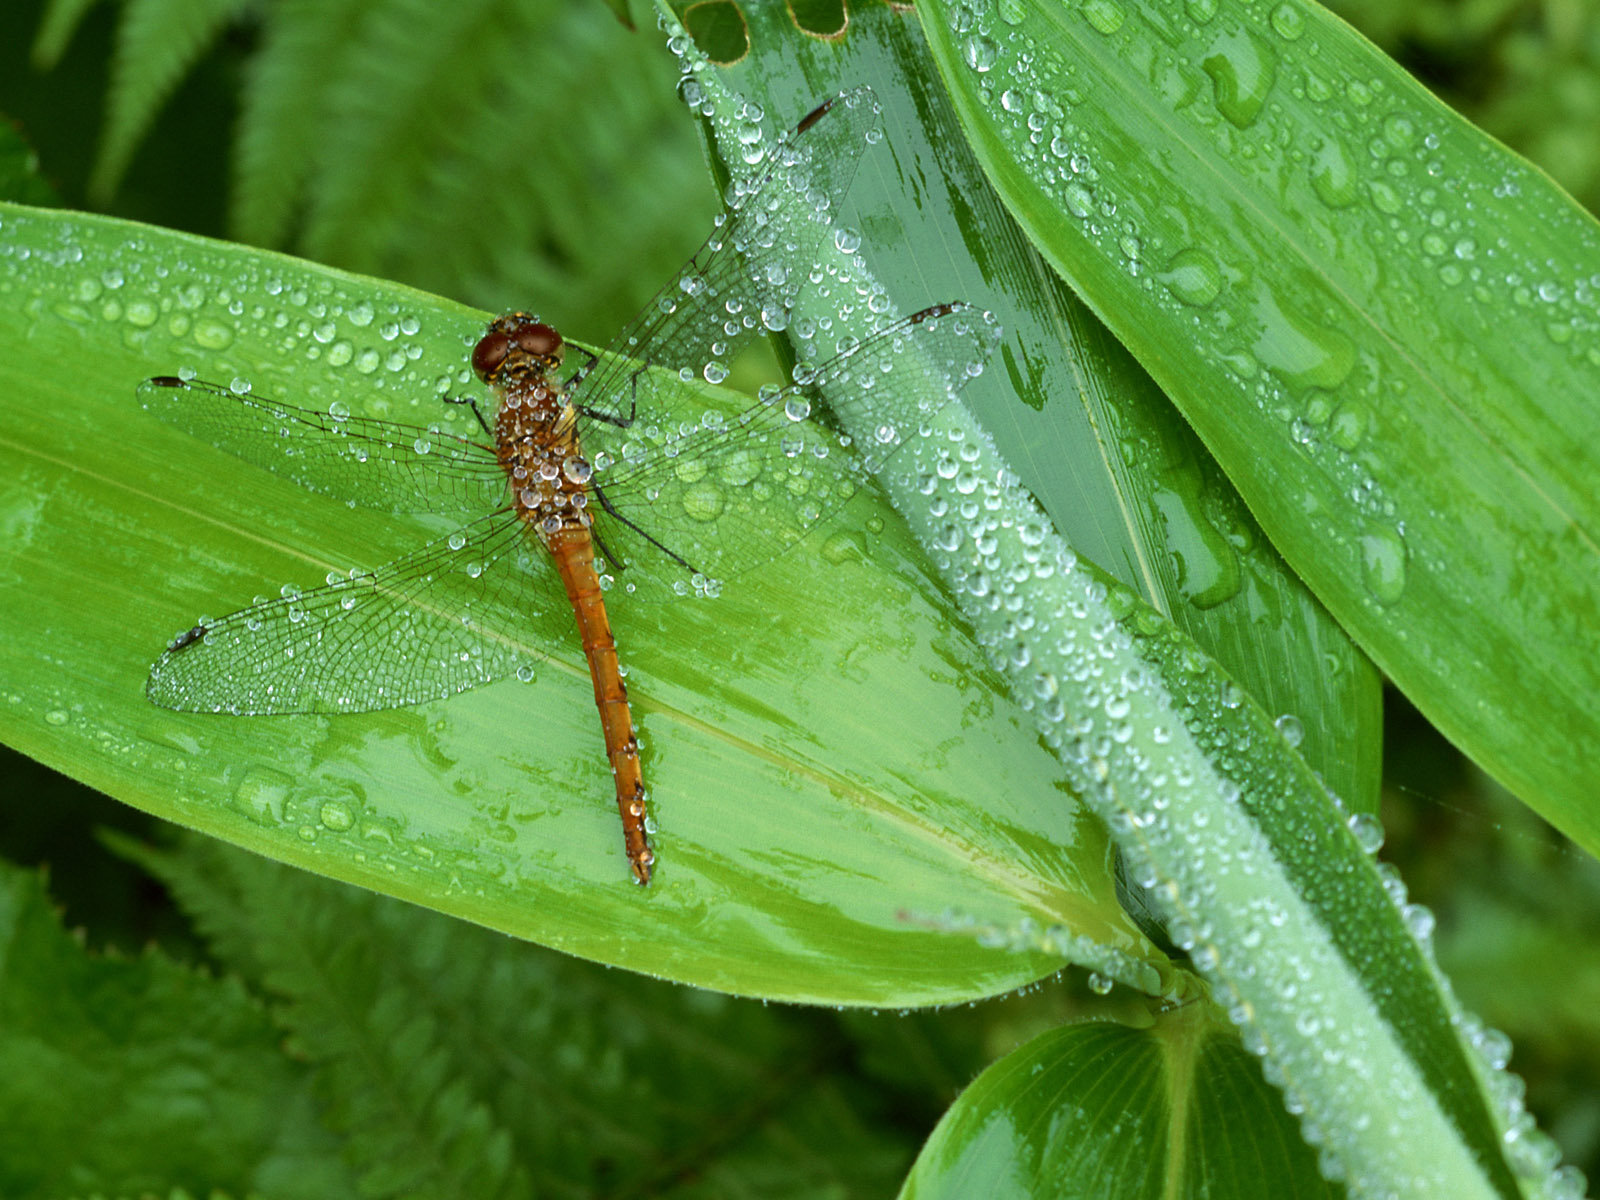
[
  {"x": 1516, "y": 907},
  {"x": 1527, "y": 71}
]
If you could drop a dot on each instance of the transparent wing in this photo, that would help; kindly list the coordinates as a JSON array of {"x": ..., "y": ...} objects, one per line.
[
  {"x": 744, "y": 280},
  {"x": 442, "y": 619},
  {"x": 377, "y": 464},
  {"x": 721, "y": 498}
]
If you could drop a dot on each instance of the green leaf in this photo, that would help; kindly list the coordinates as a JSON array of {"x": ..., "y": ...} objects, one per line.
[
  {"x": 139, "y": 1076},
  {"x": 1229, "y": 834},
  {"x": 832, "y": 766},
  {"x": 1083, "y": 427},
  {"x": 1176, "y": 1109},
  {"x": 20, "y": 180},
  {"x": 56, "y": 28},
  {"x": 1381, "y": 322}
]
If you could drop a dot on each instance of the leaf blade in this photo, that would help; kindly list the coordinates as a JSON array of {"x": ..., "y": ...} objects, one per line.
[{"x": 1434, "y": 502}]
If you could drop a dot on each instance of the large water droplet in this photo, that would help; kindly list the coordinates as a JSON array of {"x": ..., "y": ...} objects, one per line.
[
  {"x": 1383, "y": 565},
  {"x": 1242, "y": 69},
  {"x": 1333, "y": 175},
  {"x": 1193, "y": 276}
]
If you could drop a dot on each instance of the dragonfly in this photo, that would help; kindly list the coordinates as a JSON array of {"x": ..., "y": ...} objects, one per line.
[{"x": 583, "y": 476}]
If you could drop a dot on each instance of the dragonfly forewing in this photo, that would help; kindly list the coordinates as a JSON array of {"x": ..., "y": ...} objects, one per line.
[
  {"x": 377, "y": 464},
  {"x": 450, "y": 616}
]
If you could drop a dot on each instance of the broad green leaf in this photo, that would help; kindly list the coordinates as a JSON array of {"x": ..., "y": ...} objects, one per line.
[
  {"x": 1381, "y": 322},
  {"x": 1231, "y": 836},
  {"x": 1113, "y": 464},
  {"x": 832, "y": 766},
  {"x": 1100, "y": 1110}
]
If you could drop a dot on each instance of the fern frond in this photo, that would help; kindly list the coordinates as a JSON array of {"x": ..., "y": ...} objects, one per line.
[
  {"x": 60, "y": 21},
  {"x": 440, "y": 144},
  {"x": 132, "y": 1076},
  {"x": 390, "y": 1086},
  {"x": 456, "y": 1061},
  {"x": 285, "y": 111},
  {"x": 158, "y": 41},
  {"x": 577, "y": 209},
  {"x": 404, "y": 75}
]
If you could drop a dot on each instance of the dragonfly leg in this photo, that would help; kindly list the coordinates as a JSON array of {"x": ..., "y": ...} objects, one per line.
[
  {"x": 633, "y": 405},
  {"x": 472, "y": 404},
  {"x": 667, "y": 550}
]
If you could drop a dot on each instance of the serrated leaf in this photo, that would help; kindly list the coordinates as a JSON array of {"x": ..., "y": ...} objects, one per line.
[
  {"x": 158, "y": 41},
  {"x": 427, "y": 1035}
]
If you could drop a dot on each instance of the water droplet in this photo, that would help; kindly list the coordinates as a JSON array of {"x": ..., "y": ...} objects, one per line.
[
  {"x": 1349, "y": 425},
  {"x": 213, "y": 335},
  {"x": 1105, "y": 15},
  {"x": 980, "y": 53},
  {"x": 1290, "y": 727},
  {"x": 1193, "y": 276},
  {"x": 1242, "y": 69},
  {"x": 262, "y": 795},
  {"x": 1368, "y": 831},
  {"x": 1333, "y": 175},
  {"x": 336, "y": 815},
  {"x": 1304, "y": 353},
  {"x": 1383, "y": 565},
  {"x": 703, "y": 501},
  {"x": 1288, "y": 21},
  {"x": 1079, "y": 200}
]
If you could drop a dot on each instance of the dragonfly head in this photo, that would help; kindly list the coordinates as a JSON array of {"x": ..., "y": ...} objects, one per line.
[{"x": 516, "y": 344}]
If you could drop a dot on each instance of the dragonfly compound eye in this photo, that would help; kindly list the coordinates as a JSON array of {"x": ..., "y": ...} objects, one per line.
[
  {"x": 540, "y": 341},
  {"x": 489, "y": 353}
]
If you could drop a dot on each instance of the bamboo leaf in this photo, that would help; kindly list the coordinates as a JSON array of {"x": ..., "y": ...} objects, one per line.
[
  {"x": 1083, "y": 427},
  {"x": 826, "y": 751},
  {"x": 1260, "y": 874},
  {"x": 1104, "y": 1110},
  {"x": 1379, "y": 320}
]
